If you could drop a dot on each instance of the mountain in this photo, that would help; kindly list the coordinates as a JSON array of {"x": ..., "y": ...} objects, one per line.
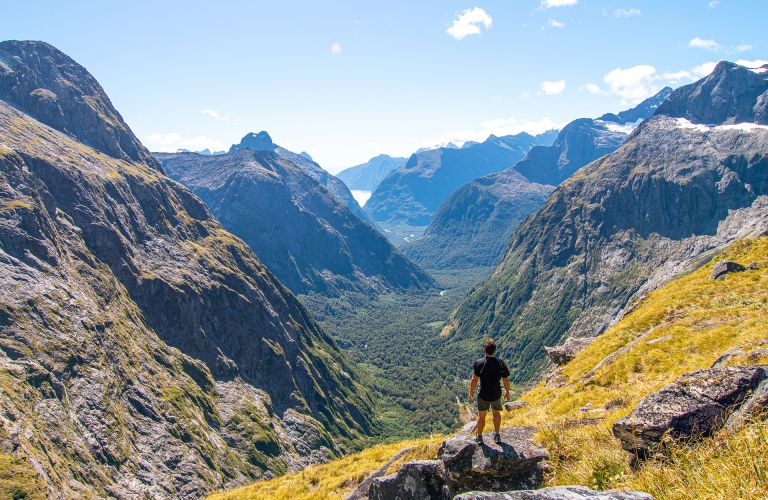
[
  {"x": 472, "y": 228},
  {"x": 414, "y": 192},
  {"x": 690, "y": 179},
  {"x": 474, "y": 225},
  {"x": 585, "y": 140},
  {"x": 367, "y": 176},
  {"x": 263, "y": 142},
  {"x": 297, "y": 227},
  {"x": 144, "y": 350}
]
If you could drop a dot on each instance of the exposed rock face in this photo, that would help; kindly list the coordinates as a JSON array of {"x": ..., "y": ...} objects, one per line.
[
  {"x": 620, "y": 227},
  {"x": 696, "y": 404},
  {"x": 55, "y": 90},
  {"x": 514, "y": 464},
  {"x": 474, "y": 225},
  {"x": 257, "y": 142},
  {"x": 724, "y": 267},
  {"x": 555, "y": 493},
  {"x": 145, "y": 351},
  {"x": 562, "y": 354},
  {"x": 369, "y": 175},
  {"x": 297, "y": 227},
  {"x": 412, "y": 193},
  {"x": 414, "y": 481}
]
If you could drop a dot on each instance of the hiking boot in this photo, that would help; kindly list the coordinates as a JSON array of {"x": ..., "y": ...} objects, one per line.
[
  {"x": 479, "y": 439},
  {"x": 497, "y": 438}
]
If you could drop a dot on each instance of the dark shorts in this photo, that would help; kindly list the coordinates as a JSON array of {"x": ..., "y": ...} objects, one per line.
[{"x": 483, "y": 405}]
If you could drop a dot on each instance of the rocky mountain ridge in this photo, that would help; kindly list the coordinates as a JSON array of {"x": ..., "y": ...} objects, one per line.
[
  {"x": 144, "y": 351},
  {"x": 368, "y": 176}
]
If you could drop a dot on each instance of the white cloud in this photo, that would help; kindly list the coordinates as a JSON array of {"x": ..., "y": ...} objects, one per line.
[
  {"x": 713, "y": 3},
  {"x": 675, "y": 77},
  {"x": 496, "y": 126},
  {"x": 619, "y": 13},
  {"x": 632, "y": 84},
  {"x": 753, "y": 63},
  {"x": 552, "y": 88},
  {"x": 554, "y": 23},
  {"x": 704, "y": 69},
  {"x": 548, "y": 4},
  {"x": 172, "y": 141},
  {"x": 743, "y": 47},
  {"x": 700, "y": 71},
  {"x": 594, "y": 89},
  {"x": 336, "y": 48},
  {"x": 702, "y": 43},
  {"x": 215, "y": 115},
  {"x": 469, "y": 23}
]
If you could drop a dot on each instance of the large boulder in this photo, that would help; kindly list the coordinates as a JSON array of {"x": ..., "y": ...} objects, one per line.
[
  {"x": 696, "y": 404},
  {"x": 724, "y": 267},
  {"x": 414, "y": 481},
  {"x": 562, "y": 354},
  {"x": 555, "y": 493},
  {"x": 513, "y": 464}
]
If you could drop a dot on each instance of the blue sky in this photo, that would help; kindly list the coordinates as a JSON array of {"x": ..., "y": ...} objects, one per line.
[{"x": 348, "y": 80}]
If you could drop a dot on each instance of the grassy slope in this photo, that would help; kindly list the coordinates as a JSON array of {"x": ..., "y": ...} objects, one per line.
[{"x": 697, "y": 319}]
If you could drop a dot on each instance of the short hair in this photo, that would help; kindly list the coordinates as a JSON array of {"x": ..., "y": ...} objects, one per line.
[{"x": 489, "y": 346}]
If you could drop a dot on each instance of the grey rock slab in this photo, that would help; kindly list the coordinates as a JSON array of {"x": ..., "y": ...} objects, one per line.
[
  {"x": 564, "y": 353},
  {"x": 414, "y": 481},
  {"x": 695, "y": 404},
  {"x": 724, "y": 267},
  {"x": 513, "y": 464},
  {"x": 555, "y": 493}
]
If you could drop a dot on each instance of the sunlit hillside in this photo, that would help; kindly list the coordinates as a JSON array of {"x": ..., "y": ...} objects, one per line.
[{"x": 684, "y": 326}]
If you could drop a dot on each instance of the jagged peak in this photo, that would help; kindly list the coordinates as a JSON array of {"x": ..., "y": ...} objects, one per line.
[{"x": 260, "y": 141}]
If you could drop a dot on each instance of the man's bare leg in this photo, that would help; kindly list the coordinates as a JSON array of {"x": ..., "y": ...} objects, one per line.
[
  {"x": 480, "y": 423},
  {"x": 496, "y": 421}
]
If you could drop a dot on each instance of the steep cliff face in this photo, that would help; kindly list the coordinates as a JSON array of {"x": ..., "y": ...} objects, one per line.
[
  {"x": 369, "y": 175},
  {"x": 628, "y": 222},
  {"x": 297, "y": 227},
  {"x": 414, "y": 192},
  {"x": 144, "y": 350}
]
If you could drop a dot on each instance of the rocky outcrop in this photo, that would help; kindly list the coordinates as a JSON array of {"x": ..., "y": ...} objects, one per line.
[
  {"x": 555, "y": 493},
  {"x": 513, "y": 464},
  {"x": 297, "y": 227},
  {"x": 414, "y": 481},
  {"x": 562, "y": 354},
  {"x": 695, "y": 405},
  {"x": 463, "y": 464},
  {"x": 368, "y": 176},
  {"x": 622, "y": 226},
  {"x": 725, "y": 267}
]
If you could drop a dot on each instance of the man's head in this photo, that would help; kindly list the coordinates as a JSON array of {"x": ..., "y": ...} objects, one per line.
[{"x": 489, "y": 346}]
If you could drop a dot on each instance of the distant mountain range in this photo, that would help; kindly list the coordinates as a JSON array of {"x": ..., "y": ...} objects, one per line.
[
  {"x": 145, "y": 352},
  {"x": 689, "y": 180},
  {"x": 412, "y": 193},
  {"x": 367, "y": 176},
  {"x": 298, "y": 228},
  {"x": 472, "y": 228}
]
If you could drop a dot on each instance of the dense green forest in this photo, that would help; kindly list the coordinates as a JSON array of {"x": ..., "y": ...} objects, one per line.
[{"x": 396, "y": 341}]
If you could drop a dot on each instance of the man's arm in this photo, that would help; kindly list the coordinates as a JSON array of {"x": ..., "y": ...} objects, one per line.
[
  {"x": 506, "y": 388},
  {"x": 473, "y": 386}
]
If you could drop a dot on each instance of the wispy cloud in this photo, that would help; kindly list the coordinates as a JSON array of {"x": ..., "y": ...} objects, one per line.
[
  {"x": 552, "y": 87},
  {"x": 215, "y": 115},
  {"x": 632, "y": 84},
  {"x": 744, "y": 47},
  {"x": 336, "y": 48},
  {"x": 594, "y": 89},
  {"x": 713, "y": 3},
  {"x": 548, "y": 4},
  {"x": 703, "y": 43},
  {"x": 751, "y": 63},
  {"x": 469, "y": 22},
  {"x": 554, "y": 23},
  {"x": 173, "y": 141},
  {"x": 619, "y": 13}
]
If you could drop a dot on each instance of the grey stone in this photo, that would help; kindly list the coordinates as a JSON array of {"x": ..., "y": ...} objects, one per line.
[
  {"x": 562, "y": 354},
  {"x": 513, "y": 464},
  {"x": 414, "y": 481},
  {"x": 555, "y": 493},
  {"x": 754, "y": 404},
  {"x": 724, "y": 267},
  {"x": 696, "y": 404}
]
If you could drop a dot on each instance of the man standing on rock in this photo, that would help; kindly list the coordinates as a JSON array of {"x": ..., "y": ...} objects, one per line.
[{"x": 489, "y": 370}]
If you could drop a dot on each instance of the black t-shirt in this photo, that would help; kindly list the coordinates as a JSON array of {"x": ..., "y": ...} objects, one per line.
[{"x": 490, "y": 370}]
